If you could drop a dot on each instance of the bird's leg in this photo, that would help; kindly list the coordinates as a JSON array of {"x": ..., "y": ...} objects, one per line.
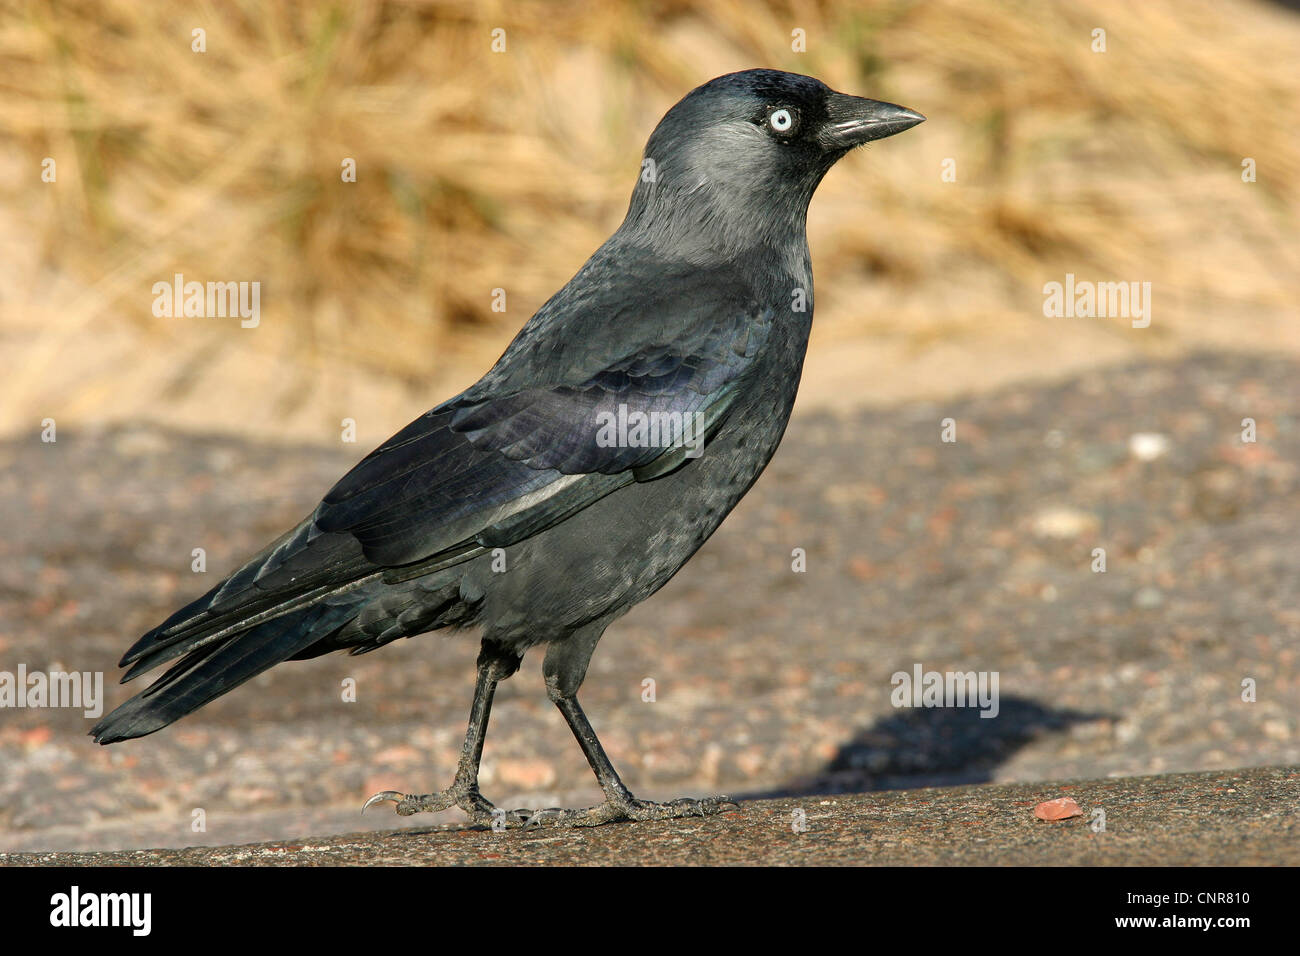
[
  {"x": 494, "y": 665},
  {"x": 619, "y": 803},
  {"x": 564, "y": 669}
]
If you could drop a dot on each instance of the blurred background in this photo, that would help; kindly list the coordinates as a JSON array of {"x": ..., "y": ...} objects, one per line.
[{"x": 478, "y": 170}]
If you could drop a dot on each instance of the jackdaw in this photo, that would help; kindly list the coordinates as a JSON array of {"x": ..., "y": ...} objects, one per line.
[{"x": 571, "y": 482}]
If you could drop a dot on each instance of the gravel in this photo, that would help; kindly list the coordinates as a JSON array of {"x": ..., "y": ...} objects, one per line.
[{"x": 977, "y": 555}]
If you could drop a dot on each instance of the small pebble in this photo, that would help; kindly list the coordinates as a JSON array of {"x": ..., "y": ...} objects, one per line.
[{"x": 1062, "y": 808}]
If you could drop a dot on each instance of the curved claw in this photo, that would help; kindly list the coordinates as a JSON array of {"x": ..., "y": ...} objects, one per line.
[
  {"x": 533, "y": 819},
  {"x": 383, "y": 795}
]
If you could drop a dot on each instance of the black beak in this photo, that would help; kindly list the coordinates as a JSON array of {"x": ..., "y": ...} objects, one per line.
[{"x": 852, "y": 121}]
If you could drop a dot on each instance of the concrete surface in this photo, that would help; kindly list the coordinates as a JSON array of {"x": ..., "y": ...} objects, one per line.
[{"x": 1222, "y": 818}]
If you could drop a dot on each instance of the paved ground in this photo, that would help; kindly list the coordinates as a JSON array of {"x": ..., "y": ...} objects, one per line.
[
  {"x": 1247, "y": 818},
  {"x": 968, "y": 556}
]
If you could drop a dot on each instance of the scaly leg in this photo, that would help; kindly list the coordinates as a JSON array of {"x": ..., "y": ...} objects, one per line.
[
  {"x": 494, "y": 665},
  {"x": 565, "y": 668}
]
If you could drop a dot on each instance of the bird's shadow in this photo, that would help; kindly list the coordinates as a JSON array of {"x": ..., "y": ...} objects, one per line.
[{"x": 933, "y": 747}]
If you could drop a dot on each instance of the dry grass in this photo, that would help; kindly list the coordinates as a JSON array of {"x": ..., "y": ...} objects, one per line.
[{"x": 479, "y": 170}]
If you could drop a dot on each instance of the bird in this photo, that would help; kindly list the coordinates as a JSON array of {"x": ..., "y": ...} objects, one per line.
[{"x": 614, "y": 434}]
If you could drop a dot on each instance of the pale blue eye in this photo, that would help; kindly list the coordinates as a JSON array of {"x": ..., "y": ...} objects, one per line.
[{"x": 781, "y": 121}]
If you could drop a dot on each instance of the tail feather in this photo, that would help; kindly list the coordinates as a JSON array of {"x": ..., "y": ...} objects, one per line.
[
  {"x": 213, "y": 669},
  {"x": 236, "y": 622},
  {"x": 298, "y": 569}
]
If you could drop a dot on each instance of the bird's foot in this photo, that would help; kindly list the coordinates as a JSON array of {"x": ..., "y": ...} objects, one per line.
[
  {"x": 467, "y": 798},
  {"x": 483, "y": 812},
  {"x": 626, "y": 810}
]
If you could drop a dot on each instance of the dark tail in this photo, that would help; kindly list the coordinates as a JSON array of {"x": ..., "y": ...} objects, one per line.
[{"x": 219, "y": 666}]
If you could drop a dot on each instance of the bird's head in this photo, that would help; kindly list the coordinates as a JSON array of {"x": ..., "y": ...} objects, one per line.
[{"x": 736, "y": 161}]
